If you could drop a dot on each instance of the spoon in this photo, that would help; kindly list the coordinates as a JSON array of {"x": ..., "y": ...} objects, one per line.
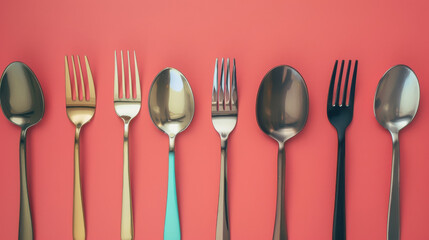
[
  {"x": 171, "y": 107},
  {"x": 281, "y": 111},
  {"x": 21, "y": 99},
  {"x": 395, "y": 105}
]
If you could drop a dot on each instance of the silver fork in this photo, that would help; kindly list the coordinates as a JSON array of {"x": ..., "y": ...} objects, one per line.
[
  {"x": 126, "y": 108},
  {"x": 224, "y": 118}
]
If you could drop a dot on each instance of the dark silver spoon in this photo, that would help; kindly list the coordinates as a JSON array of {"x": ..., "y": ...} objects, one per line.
[
  {"x": 21, "y": 100},
  {"x": 395, "y": 105},
  {"x": 282, "y": 110}
]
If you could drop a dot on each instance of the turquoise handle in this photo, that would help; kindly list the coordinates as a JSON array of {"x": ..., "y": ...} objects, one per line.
[{"x": 172, "y": 223}]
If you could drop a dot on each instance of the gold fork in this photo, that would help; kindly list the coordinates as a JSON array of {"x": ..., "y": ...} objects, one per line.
[{"x": 80, "y": 110}]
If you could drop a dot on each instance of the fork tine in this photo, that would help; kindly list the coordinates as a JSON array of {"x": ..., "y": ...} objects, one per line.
[
  {"x": 90, "y": 81},
  {"x": 215, "y": 86},
  {"x": 136, "y": 71},
  {"x": 346, "y": 84},
  {"x": 234, "y": 96},
  {"x": 337, "y": 99},
  {"x": 352, "y": 87},
  {"x": 228, "y": 86},
  {"x": 222, "y": 88},
  {"x": 331, "y": 85},
  {"x": 68, "y": 84},
  {"x": 81, "y": 78},
  {"x": 115, "y": 84},
  {"x": 75, "y": 80},
  {"x": 130, "y": 83},
  {"x": 123, "y": 76}
]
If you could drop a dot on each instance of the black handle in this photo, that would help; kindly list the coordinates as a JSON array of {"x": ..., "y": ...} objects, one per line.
[{"x": 339, "y": 228}]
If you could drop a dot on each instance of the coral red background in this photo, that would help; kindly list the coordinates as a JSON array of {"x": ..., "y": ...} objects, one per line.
[{"x": 188, "y": 35}]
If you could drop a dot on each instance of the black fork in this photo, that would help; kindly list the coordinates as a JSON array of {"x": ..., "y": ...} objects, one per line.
[{"x": 340, "y": 116}]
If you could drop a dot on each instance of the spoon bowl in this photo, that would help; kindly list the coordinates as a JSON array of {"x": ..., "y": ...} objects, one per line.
[
  {"x": 22, "y": 102},
  {"x": 282, "y": 103},
  {"x": 397, "y": 98},
  {"x": 281, "y": 111},
  {"x": 171, "y": 102},
  {"x": 21, "y": 96}
]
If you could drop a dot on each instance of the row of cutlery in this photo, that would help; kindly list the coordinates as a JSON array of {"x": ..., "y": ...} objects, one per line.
[{"x": 281, "y": 109}]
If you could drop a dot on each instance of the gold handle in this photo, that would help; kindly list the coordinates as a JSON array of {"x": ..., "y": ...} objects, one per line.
[
  {"x": 25, "y": 224},
  {"x": 78, "y": 215},
  {"x": 127, "y": 229}
]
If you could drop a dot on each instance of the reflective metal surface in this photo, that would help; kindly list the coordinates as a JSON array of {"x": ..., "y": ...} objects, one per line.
[
  {"x": 22, "y": 102},
  {"x": 340, "y": 115},
  {"x": 224, "y": 118},
  {"x": 80, "y": 111},
  {"x": 127, "y": 108},
  {"x": 395, "y": 105},
  {"x": 171, "y": 108},
  {"x": 281, "y": 111},
  {"x": 171, "y": 102}
]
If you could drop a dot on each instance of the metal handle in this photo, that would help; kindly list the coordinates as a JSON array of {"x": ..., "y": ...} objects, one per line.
[
  {"x": 280, "y": 232},
  {"x": 127, "y": 228},
  {"x": 222, "y": 224},
  {"x": 393, "y": 217},
  {"x": 172, "y": 223},
  {"x": 339, "y": 226},
  {"x": 25, "y": 223},
  {"x": 78, "y": 215}
]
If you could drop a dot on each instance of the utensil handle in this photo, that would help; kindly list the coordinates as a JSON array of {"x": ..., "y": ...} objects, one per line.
[
  {"x": 280, "y": 232},
  {"x": 25, "y": 223},
  {"x": 78, "y": 214},
  {"x": 172, "y": 223},
  {"x": 393, "y": 218},
  {"x": 222, "y": 224},
  {"x": 127, "y": 228},
  {"x": 339, "y": 226}
]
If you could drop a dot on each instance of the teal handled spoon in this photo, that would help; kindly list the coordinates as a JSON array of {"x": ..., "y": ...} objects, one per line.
[
  {"x": 171, "y": 107},
  {"x": 21, "y": 99}
]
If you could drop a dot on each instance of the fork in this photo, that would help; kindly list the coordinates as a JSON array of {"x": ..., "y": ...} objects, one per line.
[
  {"x": 80, "y": 110},
  {"x": 340, "y": 116},
  {"x": 126, "y": 108},
  {"x": 224, "y": 118}
]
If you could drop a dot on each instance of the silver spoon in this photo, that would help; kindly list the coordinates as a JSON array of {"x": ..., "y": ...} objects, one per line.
[
  {"x": 281, "y": 111},
  {"x": 171, "y": 107},
  {"x": 395, "y": 105},
  {"x": 21, "y": 99}
]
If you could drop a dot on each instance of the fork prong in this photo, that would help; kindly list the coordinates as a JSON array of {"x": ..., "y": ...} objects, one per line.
[
  {"x": 234, "y": 96},
  {"x": 81, "y": 78},
  {"x": 91, "y": 87},
  {"x": 331, "y": 85},
  {"x": 222, "y": 88},
  {"x": 136, "y": 71},
  {"x": 123, "y": 75},
  {"x": 115, "y": 84},
  {"x": 227, "y": 86},
  {"x": 68, "y": 84},
  {"x": 75, "y": 80},
  {"x": 346, "y": 84},
  {"x": 337, "y": 98},
  {"x": 215, "y": 86},
  {"x": 352, "y": 87},
  {"x": 130, "y": 83}
]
